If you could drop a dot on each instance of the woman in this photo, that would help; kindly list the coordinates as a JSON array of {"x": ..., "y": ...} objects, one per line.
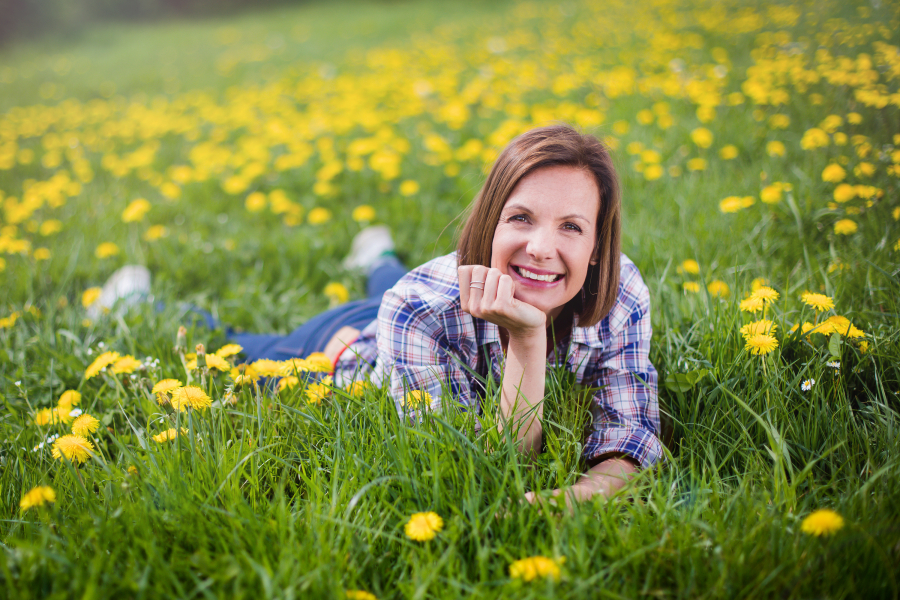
[{"x": 539, "y": 250}]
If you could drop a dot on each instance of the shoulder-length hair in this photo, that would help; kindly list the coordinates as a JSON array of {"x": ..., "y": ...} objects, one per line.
[{"x": 556, "y": 145}]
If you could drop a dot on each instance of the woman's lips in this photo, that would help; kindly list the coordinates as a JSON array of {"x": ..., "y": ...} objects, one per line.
[{"x": 534, "y": 283}]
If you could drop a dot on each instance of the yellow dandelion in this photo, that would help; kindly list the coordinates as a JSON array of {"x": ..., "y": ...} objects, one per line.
[
  {"x": 336, "y": 292},
  {"x": 363, "y": 214},
  {"x": 763, "y": 326},
  {"x": 702, "y": 137},
  {"x": 833, "y": 173},
  {"x": 89, "y": 296},
  {"x": 63, "y": 415},
  {"x": 255, "y": 202},
  {"x": 771, "y": 194},
  {"x": 155, "y": 232},
  {"x": 318, "y": 362},
  {"x": 37, "y": 496},
  {"x": 244, "y": 374},
  {"x": 775, "y": 148},
  {"x": 845, "y": 227},
  {"x": 844, "y": 192},
  {"x": 100, "y": 363},
  {"x": 229, "y": 350},
  {"x": 359, "y": 595},
  {"x": 691, "y": 287},
  {"x": 316, "y": 392},
  {"x": 423, "y": 526},
  {"x": 689, "y": 266},
  {"x": 729, "y": 152},
  {"x": 318, "y": 215},
  {"x": 841, "y": 325},
  {"x": 752, "y": 304},
  {"x": 718, "y": 289},
  {"x": 69, "y": 398},
  {"x": 106, "y": 249},
  {"x": 696, "y": 164},
  {"x": 758, "y": 283},
  {"x": 288, "y": 382},
  {"x": 292, "y": 366},
  {"x": 72, "y": 447},
  {"x": 822, "y": 522},
  {"x": 46, "y": 416},
  {"x": 416, "y": 398},
  {"x": 214, "y": 361},
  {"x": 409, "y": 187},
  {"x": 190, "y": 396},
  {"x": 135, "y": 211},
  {"x": 357, "y": 389},
  {"x": 766, "y": 294},
  {"x": 126, "y": 364},
  {"x": 85, "y": 425},
  {"x": 529, "y": 569},
  {"x": 168, "y": 435},
  {"x": 165, "y": 385},
  {"x": 265, "y": 367},
  {"x": 761, "y": 344},
  {"x": 731, "y": 204},
  {"x": 820, "y": 302}
]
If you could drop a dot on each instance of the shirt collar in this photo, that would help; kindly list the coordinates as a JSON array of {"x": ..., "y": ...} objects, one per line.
[{"x": 588, "y": 336}]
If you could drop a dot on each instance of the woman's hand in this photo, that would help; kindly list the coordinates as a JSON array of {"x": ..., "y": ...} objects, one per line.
[{"x": 496, "y": 303}]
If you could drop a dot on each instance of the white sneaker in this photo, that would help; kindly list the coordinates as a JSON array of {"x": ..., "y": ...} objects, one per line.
[
  {"x": 126, "y": 287},
  {"x": 368, "y": 246}
]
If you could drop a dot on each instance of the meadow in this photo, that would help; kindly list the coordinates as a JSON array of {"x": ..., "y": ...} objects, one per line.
[{"x": 759, "y": 150}]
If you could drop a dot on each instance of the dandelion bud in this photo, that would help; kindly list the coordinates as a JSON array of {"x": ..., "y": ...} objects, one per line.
[{"x": 181, "y": 340}]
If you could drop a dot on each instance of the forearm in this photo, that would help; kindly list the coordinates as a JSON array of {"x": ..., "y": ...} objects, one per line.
[
  {"x": 522, "y": 390},
  {"x": 605, "y": 478}
]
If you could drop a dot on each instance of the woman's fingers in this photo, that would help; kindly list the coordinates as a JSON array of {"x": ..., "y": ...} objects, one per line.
[
  {"x": 476, "y": 289},
  {"x": 465, "y": 276},
  {"x": 489, "y": 297}
]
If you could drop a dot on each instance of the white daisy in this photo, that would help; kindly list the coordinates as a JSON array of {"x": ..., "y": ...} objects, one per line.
[{"x": 807, "y": 385}]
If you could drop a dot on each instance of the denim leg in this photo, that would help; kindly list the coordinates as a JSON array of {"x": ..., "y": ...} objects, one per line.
[{"x": 383, "y": 275}]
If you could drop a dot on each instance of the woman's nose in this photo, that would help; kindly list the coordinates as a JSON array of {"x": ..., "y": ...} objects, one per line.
[{"x": 541, "y": 245}]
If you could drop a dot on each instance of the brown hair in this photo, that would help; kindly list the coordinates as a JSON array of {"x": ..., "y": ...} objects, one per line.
[{"x": 556, "y": 145}]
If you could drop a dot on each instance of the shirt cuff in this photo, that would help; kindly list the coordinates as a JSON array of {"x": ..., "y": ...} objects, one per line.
[{"x": 637, "y": 443}]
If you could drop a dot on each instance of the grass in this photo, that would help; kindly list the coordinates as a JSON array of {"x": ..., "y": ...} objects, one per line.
[{"x": 266, "y": 495}]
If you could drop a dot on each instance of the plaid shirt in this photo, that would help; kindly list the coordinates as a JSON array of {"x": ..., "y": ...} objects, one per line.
[{"x": 422, "y": 340}]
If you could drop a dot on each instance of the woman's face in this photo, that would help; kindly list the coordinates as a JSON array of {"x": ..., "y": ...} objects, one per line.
[{"x": 546, "y": 236}]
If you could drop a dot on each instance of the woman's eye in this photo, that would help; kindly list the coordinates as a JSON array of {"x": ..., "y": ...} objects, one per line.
[
  {"x": 519, "y": 218},
  {"x": 572, "y": 227}
]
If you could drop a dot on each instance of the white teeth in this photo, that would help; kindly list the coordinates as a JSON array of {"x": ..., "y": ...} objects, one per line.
[{"x": 535, "y": 276}]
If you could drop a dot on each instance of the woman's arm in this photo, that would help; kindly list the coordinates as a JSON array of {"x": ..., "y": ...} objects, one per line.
[
  {"x": 605, "y": 478},
  {"x": 488, "y": 294}
]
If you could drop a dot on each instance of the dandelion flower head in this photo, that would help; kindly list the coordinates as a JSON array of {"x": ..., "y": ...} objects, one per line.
[
  {"x": 359, "y": 595},
  {"x": 168, "y": 435},
  {"x": 72, "y": 447},
  {"x": 85, "y": 425},
  {"x": 37, "y": 496},
  {"x": 822, "y": 522},
  {"x": 100, "y": 363},
  {"x": 752, "y": 304},
  {"x": 757, "y": 327},
  {"x": 229, "y": 350},
  {"x": 766, "y": 294},
  {"x": 165, "y": 385},
  {"x": 529, "y": 569},
  {"x": 265, "y": 367},
  {"x": 820, "y": 302},
  {"x": 69, "y": 398},
  {"x": 126, "y": 364},
  {"x": 214, "y": 361},
  {"x": 318, "y": 362},
  {"x": 357, "y": 389},
  {"x": 190, "y": 396},
  {"x": 423, "y": 526},
  {"x": 761, "y": 344},
  {"x": 416, "y": 398}
]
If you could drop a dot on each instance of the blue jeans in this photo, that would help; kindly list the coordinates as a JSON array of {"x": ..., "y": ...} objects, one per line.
[{"x": 313, "y": 335}]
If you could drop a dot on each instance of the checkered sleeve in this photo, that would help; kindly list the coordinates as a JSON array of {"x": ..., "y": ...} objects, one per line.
[
  {"x": 626, "y": 409},
  {"x": 419, "y": 346}
]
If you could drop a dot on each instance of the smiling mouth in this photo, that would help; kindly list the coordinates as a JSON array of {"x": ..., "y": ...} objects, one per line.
[{"x": 535, "y": 277}]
